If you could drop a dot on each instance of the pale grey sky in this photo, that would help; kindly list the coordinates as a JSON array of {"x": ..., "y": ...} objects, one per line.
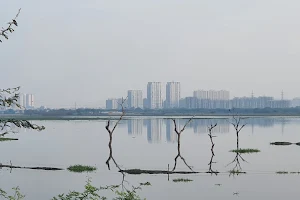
[{"x": 85, "y": 51}]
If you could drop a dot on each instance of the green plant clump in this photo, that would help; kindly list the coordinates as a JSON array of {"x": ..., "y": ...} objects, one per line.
[
  {"x": 281, "y": 143},
  {"x": 17, "y": 194},
  {"x": 234, "y": 171},
  {"x": 81, "y": 168},
  {"x": 145, "y": 184},
  {"x": 182, "y": 180},
  {"x": 245, "y": 150}
]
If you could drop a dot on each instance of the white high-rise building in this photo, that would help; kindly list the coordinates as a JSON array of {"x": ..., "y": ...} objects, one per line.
[
  {"x": 154, "y": 95},
  {"x": 112, "y": 104},
  {"x": 135, "y": 99},
  {"x": 29, "y": 101},
  {"x": 172, "y": 94}
]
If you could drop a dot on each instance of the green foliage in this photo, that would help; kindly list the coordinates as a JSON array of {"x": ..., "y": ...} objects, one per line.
[
  {"x": 81, "y": 168},
  {"x": 17, "y": 195},
  {"x": 182, "y": 180},
  {"x": 127, "y": 195},
  {"x": 245, "y": 150},
  {"x": 90, "y": 193}
]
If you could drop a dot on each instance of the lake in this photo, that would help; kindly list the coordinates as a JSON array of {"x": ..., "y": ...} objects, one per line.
[{"x": 151, "y": 143}]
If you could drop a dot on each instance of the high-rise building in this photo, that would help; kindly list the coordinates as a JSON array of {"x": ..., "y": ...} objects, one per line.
[
  {"x": 154, "y": 95},
  {"x": 172, "y": 94},
  {"x": 135, "y": 99},
  {"x": 112, "y": 104},
  {"x": 29, "y": 101}
]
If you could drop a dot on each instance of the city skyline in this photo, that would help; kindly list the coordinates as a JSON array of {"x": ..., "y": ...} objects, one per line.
[{"x": 224, "y": 45}]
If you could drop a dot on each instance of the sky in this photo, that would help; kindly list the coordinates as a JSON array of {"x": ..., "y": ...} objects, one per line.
[{"x": 86, "y": 51}]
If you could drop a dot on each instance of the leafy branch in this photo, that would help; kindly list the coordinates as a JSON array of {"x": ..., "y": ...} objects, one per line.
[{"x": 4, "y": 31}]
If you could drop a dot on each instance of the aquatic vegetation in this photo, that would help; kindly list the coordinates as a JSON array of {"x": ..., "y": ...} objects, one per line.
[
  {"x": 145, "y": 184},
  {"x": 81, "y": 168},
  {"x": 234, "y": 171},
  {"x": 245, "y": 150},
  {"x": 295, "y": 172},
  {"x": 282, "y": 172},
  {"x": 182, "y": 180}
]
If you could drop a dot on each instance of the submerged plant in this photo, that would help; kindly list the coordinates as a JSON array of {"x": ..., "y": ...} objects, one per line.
[{"x": 81, "y": 168}]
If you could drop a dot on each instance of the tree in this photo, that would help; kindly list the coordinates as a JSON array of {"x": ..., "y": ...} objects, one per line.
[{"x": 10, "y": 97}]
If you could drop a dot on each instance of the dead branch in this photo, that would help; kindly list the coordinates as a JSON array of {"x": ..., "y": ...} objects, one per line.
[
  {"x": 210, "y": 129},
  {"x": 4, "y": 31},
  {"x": 110, "y": 132},
  {"x": 178, "y": 144}
]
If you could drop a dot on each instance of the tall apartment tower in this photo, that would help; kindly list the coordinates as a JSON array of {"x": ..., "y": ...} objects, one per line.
[
  {"x": 172, "y": 94},
  {"x": 154, "y": 96},
  {"x": 29, "y": 101},
  {"x": 135, "y": 99}
]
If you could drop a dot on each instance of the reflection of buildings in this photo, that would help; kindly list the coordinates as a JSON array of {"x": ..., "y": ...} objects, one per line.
[
  {"x": 171, "y": 135},
  {"x": 154, "y": 130},
  {"x": 135, "y": 127},
  {"x": 201, "y": 125}
]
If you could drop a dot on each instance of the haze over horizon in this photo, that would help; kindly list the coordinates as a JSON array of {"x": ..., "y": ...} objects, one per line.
[{"x": 87, "y": 51}]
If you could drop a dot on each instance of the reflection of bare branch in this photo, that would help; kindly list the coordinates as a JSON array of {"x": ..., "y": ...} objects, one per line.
[
  {"x": 210, "y": 170},
  {"x": 178, "y": 143}
]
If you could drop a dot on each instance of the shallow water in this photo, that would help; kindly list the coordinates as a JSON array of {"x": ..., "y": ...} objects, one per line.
[{"x": 152, "y": 144}]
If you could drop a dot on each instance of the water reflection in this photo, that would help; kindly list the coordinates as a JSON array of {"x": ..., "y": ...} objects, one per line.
[
  {"x": 154, "y": 127},
  {"x": 158, "y": 128},
  {"x": 135, "y": 127},
  {"x": 211, "y": 136}
]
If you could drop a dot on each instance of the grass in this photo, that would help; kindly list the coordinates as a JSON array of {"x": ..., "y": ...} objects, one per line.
[
  {"x": 2, "y": 139},
  {"x": 245, "y": 150},
  {"x": 282, "y": 172},
  {"x": 182, "y": 180},
  {"x": 294, "y": 172},
  {"x": 81, "y": 168}
]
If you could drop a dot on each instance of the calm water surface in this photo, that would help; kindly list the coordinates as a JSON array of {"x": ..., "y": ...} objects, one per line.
[{"x": 152, "y": 144}]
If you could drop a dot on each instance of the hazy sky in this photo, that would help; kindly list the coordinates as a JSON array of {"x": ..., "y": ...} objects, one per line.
[{"x": 85, "y": 51}]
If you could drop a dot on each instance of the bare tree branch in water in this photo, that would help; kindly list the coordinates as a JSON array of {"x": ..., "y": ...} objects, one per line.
[
  {"x": 4, "y": 31},
  {"x": 110, "y": 132},
  {"x": 236, "y": 123},
  {"x": 178, "y": 143},
  {"x": 210, "y": 129}
]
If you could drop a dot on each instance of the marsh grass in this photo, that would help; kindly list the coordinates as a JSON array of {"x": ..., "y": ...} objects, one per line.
[
  {"x": 294, "y": 172},
  {"x": 145, "y": 184},
  {"x": 81, "y": 168},
  {"x": 245, "y": 150},
  {"x": 182, "y": 180},
  {"x": 2, "y": 139}
]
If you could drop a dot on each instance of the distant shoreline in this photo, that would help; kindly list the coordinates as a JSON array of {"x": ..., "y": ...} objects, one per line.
[{"x": 131, "y": 116}]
